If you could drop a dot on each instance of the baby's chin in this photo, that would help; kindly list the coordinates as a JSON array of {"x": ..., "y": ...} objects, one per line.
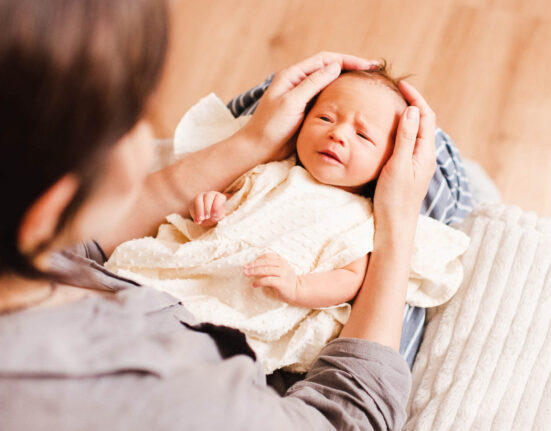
[{"x": 331, "y": 182}]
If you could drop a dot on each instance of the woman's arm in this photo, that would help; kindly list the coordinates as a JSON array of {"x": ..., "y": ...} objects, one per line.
[
  {"x": 267, "y": 136},
  {"x": 377, "y": 311}
]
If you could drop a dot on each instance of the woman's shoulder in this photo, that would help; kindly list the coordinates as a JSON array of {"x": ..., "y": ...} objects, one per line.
[{"x": 73, "y": 338}]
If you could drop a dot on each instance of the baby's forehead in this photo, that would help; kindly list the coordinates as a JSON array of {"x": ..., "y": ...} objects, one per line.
[
  {"x": 370, "y": 88},
  {"x": 364, "y": 83}
]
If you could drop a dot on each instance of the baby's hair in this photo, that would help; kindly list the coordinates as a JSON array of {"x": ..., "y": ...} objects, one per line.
[{"x": 381, "y": 72}]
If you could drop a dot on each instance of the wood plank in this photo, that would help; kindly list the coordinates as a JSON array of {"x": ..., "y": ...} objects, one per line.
[{"x": 482, "y": 64}]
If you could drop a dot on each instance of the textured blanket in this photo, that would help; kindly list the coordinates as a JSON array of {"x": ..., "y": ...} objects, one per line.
[
  {"x": 280, "y": 208},
  {"x": 277, "y": 207},
  {"x": 485, "y": 361}
]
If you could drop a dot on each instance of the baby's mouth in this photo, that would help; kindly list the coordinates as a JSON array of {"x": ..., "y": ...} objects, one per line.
[{"x": 331, "y": 155}]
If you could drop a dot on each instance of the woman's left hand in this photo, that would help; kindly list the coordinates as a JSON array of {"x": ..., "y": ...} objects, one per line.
[
  {"x": 281, "y": 109},
  {"x": 405, "y": 177}
]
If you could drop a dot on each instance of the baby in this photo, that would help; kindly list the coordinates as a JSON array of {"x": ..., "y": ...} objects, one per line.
[
  {"x": 345, "y": 140},
  {"x": 282, "y": 250}
]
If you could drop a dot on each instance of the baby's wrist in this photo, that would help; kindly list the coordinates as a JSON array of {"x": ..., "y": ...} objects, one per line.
[{"x": 299, "y": 288}]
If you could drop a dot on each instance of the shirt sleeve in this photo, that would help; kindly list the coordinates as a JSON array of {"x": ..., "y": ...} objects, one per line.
[
  {"x": 90, "y": 250},
  {"x": 357, "y": 384}
]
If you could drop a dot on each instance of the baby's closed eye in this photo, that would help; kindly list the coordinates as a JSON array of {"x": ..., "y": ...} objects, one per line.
[{"x": 362, "y": 135}]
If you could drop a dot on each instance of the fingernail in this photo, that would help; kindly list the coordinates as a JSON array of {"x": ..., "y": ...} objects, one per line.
[
  {"x": 413, "y": 112},
  {"x": 333, "y": 68}
]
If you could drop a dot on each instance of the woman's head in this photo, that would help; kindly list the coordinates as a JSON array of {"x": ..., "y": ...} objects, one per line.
[
  {"x": 75, "y": 76},
  {"x": 349, "y": 132}
]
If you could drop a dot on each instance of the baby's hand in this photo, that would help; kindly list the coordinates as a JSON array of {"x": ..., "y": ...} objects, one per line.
[
  {"x": 271, "y": 270},
  {"x": 208, "y": 208}
]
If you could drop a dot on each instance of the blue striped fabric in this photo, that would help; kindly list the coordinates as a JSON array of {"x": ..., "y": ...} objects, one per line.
[{"x": 448, "y": 200}]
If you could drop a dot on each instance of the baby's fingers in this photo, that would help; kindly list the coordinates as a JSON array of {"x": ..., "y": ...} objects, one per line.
[
  {"x": 218, "y": 210},
  {"x": 262, "y": 269},
  {"x": 268, "y": 281},
  {"x": 268, "y": 259},
  {"x": 197, "y": 209},
  {"x": 208, "y": 201}
]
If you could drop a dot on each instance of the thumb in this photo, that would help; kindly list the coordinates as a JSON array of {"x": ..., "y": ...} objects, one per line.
[
  {"x": 407, "y": 133},
  {"x": 315, "y": 82}
]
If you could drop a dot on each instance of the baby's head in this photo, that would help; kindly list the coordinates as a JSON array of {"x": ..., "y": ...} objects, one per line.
[{"x": 348, "y": 134}]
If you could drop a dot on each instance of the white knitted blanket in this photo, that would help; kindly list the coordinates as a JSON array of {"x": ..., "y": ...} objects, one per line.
[{"x": 485, "y": 361}]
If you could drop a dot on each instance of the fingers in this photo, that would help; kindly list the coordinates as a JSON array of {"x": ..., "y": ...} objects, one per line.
[
  {"x": 345, "y": 61},
  {"x": 208, "y": 206},
  {"x": 266, "y": 265},
  {"x": 407, "y": 133},
  {"x": 294, "y": 75},
  {"x": 427, "y": 123},
  {"x": 269, "y": 270},
  {"x": 314, "y": 83}
]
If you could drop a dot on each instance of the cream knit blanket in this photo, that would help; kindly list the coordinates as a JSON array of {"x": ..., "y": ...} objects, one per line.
[
  {"x": 485, "y": 361},
  {"x": 277, "y": 207},
  {"x": 280, "y": 208}
]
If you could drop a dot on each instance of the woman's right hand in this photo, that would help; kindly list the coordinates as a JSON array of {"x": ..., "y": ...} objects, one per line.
[
  {"x": 404, "y": 179},
  {"x": 281, "y": 109}
]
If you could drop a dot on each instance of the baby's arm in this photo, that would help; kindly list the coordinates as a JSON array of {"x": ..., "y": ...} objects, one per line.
[{"x": 313, "y": 290}]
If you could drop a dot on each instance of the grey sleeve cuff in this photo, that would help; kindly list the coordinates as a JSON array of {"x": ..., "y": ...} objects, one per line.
[
  {"x": 90, "y": 250},
  {"x": 357, "y": 384}
]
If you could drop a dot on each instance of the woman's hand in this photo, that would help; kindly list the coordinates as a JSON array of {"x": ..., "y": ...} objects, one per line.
[
  {"x": 266, "y": 137},
  {"x": 405, "y": 177},
  {"x": 281, "y": 109},
  {"x": 377, "y": 312}
]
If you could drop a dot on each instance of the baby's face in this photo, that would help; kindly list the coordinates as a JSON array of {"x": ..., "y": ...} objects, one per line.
[{"x": 349, "y": 133}]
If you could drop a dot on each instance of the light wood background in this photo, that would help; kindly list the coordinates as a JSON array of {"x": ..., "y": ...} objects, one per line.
[{"x": 483, "y": 65}]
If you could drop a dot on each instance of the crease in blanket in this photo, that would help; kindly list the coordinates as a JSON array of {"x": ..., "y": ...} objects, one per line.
[{"x": 485, "y": 360}]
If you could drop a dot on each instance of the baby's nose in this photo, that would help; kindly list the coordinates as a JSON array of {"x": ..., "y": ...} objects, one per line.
[{"x": 337, "y": 136}]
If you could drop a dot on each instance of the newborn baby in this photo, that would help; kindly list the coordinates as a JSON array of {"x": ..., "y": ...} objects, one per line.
[
  {"x": 344, "y": 141},
  {"x": 278, "y": 254}
]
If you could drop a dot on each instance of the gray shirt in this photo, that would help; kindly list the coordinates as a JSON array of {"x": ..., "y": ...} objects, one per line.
[{"x": 140, "y": 361}]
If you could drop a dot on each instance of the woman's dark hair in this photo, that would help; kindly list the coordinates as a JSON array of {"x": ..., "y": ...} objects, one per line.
[{"x": 75, "y": 75}]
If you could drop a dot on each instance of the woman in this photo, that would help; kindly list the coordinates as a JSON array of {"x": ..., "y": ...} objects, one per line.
[{"x": 76, "y": 79}]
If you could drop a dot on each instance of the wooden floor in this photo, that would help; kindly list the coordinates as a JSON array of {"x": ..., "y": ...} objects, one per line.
[{"x": 483, "y": 65}]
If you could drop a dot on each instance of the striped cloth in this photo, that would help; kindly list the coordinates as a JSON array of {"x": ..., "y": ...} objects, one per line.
[{"x": 448, "y": 200}]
